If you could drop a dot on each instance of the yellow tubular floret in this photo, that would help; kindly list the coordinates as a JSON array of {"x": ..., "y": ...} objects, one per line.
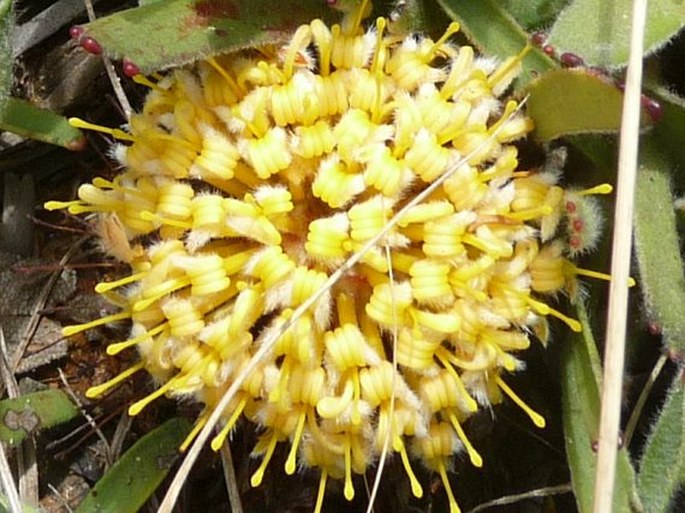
[{"x": 268, "y": 205}]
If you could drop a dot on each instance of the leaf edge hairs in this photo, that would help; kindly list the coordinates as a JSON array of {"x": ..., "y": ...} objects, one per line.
[{"x": 250, "y": 178}]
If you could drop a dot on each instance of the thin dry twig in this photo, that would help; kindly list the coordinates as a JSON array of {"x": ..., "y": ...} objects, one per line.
[
  {"x": 533, "y": 494},
  {"x": 101, "y": 421},
  {"x": 644, "y": 394},
  {"x": 229, "y": 477},
  {"x": 620, "y": 268},
  {"x": 268, "y": 343},
  {"x": 86, "y": 415},
  {"x": 388, "y": 433},
  {"x": 111, "y": 72},
  {"x": 123, "y": 427},
  {"x": 61, "y": 499}
]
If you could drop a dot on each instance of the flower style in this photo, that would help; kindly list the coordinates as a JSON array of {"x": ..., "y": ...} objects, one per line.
[{"x": 250, "y": 179}]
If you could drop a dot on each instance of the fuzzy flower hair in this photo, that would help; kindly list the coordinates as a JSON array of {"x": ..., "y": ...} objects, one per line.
[{"x": 250, "y": 179}]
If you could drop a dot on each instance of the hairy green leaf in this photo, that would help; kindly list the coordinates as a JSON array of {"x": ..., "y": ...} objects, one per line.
[
  {"x": 30, "y": 413},
  {"x": 663, "y": 461},
  {"x": 488, "y": 25},
  {"x": 657, "y": 248},
  {"x": 409, "y": 16},
  {"x": 27, "y": 120},
  {"x": 533, "y": 14},
  {"x": 136, "y": 475},
  {"x": 581, "y": 406},
  {"x": 573, "y": 101},
  {"x": 160, "y": 35},
  {"x": 599, "y": 30},
  {"x": 669, "y": 131}
]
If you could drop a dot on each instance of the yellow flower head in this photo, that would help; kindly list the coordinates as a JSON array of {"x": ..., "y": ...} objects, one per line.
[{"x": 370, "y": 176}]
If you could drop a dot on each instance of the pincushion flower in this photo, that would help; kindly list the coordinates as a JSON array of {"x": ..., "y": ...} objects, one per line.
[{"x": 250, "y": 179}]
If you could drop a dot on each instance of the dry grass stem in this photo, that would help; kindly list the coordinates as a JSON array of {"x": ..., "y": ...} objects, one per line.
[
  {"x": 117, "y": 444},
  {"x": 620, "y": 268},
  {"x": 86, "y": 415},
  {"x": 642, "y": 400},
  {"x": 27, "y": 467},
  {"x": 8, "y": 485},
  {"x": 386, "y": 439},
  {"x": 533, "y": 494},
  {"x": 111, "y": 72},
  {"x": 229, "y": 477}
]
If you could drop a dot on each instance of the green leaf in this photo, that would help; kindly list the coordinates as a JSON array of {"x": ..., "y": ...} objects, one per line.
[
  {"x": 409, "y": 16},
  {"x": 159, "y": 35},
  {"x": 495, "y": 32},
  {"x": 574, "y": 101},
  {"x": 136, "y": 475},
  {"x": 663, "y": 461},
  {"x": 533, "y": 14},
  {"x": 669, "y": 131},
  {"x": 657, "y": 248},
  {"x": 581, "y": 406},
  {"x": 27, "y": 120},
  {"x": 599, "y": 30},
  {"x": 30, "y": 413}
]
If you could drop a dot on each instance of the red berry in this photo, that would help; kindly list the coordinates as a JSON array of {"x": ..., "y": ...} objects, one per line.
[
  {"x": 90, "y": 45},
  {"x": 578, "y": 225},
  {"x": 570, "y": 207},
  {"x": 76, "y": 32},
  {"x": 538, "y": 38},
  {"x": 130, "y": 69},
  {"x": 549, "y": 50},
  {"x": 653, "y": 328},
  {"x": 653, "y": 108},
  {"x": 571, "y": 60}
]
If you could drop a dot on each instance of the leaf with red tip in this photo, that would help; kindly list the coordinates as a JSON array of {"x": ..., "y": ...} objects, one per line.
[
  {"x": 160, "y": 35},
  {"x": 27, "y": 120}
]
